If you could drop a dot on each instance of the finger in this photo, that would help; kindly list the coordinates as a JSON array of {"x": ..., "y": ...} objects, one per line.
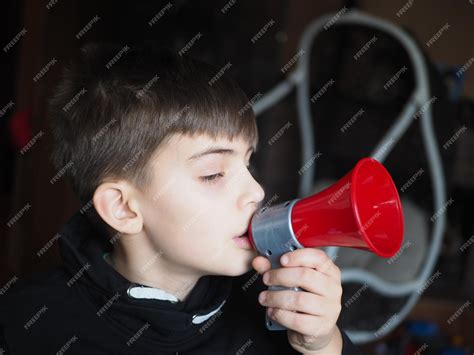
[
  {"x": 312, "y": 258},
  {"x": 305, "y": 324},
  {"x": 299, "y": 301},
  {"x": 309, "y": 279},
  {"x": 261, "y": 264}
]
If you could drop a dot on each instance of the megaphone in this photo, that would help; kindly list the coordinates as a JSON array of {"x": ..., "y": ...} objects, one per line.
[{"x": 362, "y": 210}]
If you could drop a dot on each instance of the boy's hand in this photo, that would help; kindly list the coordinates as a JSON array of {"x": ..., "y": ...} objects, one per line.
[{"x": 312, "y": 329}]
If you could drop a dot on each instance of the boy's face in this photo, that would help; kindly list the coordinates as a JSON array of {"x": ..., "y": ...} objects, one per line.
[{"x": 191, "y": 215}]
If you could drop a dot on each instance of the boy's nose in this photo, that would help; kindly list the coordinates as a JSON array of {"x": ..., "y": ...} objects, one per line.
[
  {"x": 252, "y": 193},
  {"x": 258, "y": 193}
]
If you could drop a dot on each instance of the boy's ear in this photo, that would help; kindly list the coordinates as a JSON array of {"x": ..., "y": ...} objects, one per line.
[{"x": 116, "y": 205}]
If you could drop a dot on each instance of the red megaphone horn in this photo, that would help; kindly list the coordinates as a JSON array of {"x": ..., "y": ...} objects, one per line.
[{"x": 362, "y": 210}]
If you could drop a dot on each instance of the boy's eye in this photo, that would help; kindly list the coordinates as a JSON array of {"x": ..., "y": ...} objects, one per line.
[{"x": 212, "y": 178}]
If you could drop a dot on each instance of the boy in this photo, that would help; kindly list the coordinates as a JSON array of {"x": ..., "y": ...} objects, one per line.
[{"x": 158, "y": 151}]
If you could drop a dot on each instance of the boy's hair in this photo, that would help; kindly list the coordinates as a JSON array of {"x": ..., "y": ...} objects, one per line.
[{"x": 115, "y": 105}]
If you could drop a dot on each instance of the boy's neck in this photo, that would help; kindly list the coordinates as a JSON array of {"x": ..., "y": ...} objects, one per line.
[{"x": 131, "y": 262}]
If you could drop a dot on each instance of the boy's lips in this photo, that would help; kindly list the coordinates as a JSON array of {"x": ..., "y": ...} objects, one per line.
[
  {"x": 244, "y": 234},
  {"x": 243, "y": 241}
]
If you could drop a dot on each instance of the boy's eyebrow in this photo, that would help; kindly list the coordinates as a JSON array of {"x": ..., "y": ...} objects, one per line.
[{"x": 215, "y": 150}]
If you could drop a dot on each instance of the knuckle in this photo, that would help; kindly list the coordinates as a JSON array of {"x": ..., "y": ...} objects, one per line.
[
  {"x": 299, "y": 300},
  {"x": 318, "y": 252},
  {"x": 327, "y": 264},
  {"x": 304, "y": 275},
  {"x": 276, "y": 314},
  {"x": 288, "y": 300},
  {"x": 321, "y": 254}
]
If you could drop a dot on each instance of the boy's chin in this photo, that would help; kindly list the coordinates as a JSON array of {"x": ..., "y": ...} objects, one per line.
[{"x": 239, "y": 266}]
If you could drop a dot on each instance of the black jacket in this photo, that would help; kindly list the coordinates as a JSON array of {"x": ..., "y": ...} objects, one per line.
[{"x": 86, "y": 307}]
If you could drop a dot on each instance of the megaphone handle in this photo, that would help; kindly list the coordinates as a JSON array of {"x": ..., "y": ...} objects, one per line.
[
  {"x": 273, "y": 236},
  {"x": 270, "y": 323}
]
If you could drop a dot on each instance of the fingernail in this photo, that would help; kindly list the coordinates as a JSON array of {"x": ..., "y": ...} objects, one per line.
[
  {"x": 262, "y": 297},
  {"x": 270, "y": 312},
  {"x": 266, "y": 277},
  {"x": 284, "y": 260}
]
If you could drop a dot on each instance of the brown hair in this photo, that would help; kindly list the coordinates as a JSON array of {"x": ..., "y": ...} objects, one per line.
[{"x": 115, "y": 105}]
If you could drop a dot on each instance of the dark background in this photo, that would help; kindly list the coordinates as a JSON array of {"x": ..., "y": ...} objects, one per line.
[{"x": 51, "y": 34}]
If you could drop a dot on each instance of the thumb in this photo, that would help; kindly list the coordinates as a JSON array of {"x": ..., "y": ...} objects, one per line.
[{"x": 261, "y": 264}]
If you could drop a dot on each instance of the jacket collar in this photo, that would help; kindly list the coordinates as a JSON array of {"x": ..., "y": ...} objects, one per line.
[{"x": 130, "y": 305}]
